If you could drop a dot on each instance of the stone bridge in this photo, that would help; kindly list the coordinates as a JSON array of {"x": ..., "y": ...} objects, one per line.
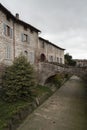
[{"x": 46, "y": 70}]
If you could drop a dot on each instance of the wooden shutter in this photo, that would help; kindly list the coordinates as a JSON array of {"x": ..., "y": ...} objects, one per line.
[
  {"x": 8, "y": 52},
  {"x": 11, "y": 33},
  {"x": 28, "y": 38},
  {"x": 4, "y": 25},
  {"x": 31, "y": 57},
  {"x": 22, "y": 35}
]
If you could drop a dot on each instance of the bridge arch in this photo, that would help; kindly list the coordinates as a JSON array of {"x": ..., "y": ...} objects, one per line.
[{"x": 47, "y": 70}]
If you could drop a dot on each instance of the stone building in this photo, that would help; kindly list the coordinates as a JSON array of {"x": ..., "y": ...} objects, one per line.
[
  {"x": 81, "y": 63},
  {"x": 50, "y": 52},
  {"x": 17, "y": 36}
]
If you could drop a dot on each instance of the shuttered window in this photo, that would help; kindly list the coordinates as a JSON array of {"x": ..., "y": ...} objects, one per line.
[
  {"x": 61, "y": 60},
  {"x": 42, "y": 44},
  {"x": 25, "y": 38},
  {"x": 57, "y": 59},
  {"x": 50, "y": 58},
  {"x": 8, "y": 52},
  {"x": 31, "y": 57},
  {"x": 8, "y": 31}
]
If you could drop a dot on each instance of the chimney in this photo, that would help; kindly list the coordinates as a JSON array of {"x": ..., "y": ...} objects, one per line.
[{"x": 17, "y": 15}]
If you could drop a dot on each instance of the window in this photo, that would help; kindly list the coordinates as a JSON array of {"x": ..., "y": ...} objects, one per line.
[
  {"x": 50, "y": 47},
  {"x": 51, "y": 58},
  {"x": 31, "y": 30},
  {"x": 8, "y": 31},
  {"x": 61, "y": 60},
  {"x": 8, "y": 52},
  {"x": 8, "y": 18},
  {"x": 25, "y": 38},
  {"x": 26, "y": 53},
  {"x": 58, "y": 59},
  {"x": 42, "y": 45},
  {"x": 31, "y": 57},
  {"x": 42, "y": 57}
]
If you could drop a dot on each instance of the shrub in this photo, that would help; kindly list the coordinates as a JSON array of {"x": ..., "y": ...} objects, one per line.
[
  {"x": 57, "y": 79},
  {"x": 17, "y": 80},
  {"x": 67, "y": 76}
]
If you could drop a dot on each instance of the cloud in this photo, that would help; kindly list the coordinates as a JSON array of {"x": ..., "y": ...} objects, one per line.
[{"x": 64, "y": 22}]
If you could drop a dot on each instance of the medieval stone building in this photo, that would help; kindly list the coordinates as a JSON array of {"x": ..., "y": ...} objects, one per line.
[
  {"x": 50, "y": 52},
  {"x": 17, "y": 36}
]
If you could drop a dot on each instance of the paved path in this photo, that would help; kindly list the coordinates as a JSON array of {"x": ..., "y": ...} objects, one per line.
[{"x": 65, "y": 110}]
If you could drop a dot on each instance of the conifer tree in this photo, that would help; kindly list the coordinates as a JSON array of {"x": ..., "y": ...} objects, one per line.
[{"x": 17, "y": 80}]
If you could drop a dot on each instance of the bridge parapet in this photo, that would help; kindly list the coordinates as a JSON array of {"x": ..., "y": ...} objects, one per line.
[
  {"x": 46, "y": 70},
  {"x": 48, "y": 66}
]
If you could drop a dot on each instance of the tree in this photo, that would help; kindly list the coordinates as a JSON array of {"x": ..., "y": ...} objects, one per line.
[
  {"x": 69, "y": 60},
  {"x": 17, "y": 80}
]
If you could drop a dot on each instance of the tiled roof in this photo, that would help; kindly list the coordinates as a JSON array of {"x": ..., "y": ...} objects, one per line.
[{"x": 50, "y": 43}]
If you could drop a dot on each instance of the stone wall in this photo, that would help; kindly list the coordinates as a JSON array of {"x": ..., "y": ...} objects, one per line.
[
  {"x": 52, "y": 53},
  {"x": 14, "y": 45},
  {"x": 30, "y": 46},
  {"x": 5, "y": 41}
]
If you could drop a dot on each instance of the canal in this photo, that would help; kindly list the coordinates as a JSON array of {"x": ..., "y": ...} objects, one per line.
[{"x": 64, "y": 110}]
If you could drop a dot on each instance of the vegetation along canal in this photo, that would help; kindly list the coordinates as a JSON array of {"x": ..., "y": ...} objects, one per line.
[{"x": 65, "y": 110}]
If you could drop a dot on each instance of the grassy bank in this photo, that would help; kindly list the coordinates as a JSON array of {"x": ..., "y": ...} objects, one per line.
[{"x": 8, "y": 110}]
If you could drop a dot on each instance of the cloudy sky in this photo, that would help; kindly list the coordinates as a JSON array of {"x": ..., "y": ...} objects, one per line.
[{"x": 63, "y": 22}]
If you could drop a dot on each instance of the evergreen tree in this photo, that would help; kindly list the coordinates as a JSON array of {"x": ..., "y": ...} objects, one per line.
[
  {"x": 69, "y": 60},
  {"x": 18, "y": 80}
]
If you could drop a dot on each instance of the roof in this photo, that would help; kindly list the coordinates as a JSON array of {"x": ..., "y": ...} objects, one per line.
[
  {"x": 81, "y": 60},
  {"x": 6, "y": 11},
  {"x": 50, "y": 43}
]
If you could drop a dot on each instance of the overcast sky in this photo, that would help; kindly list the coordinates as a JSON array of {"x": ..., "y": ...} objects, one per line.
[{"x": 63, "y": 22}]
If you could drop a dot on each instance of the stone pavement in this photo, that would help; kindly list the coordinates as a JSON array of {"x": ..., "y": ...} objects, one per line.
[{"x": 64, "y": 110}]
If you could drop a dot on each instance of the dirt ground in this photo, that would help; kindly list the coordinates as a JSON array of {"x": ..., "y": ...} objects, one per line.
[{"x": 64, "y": 110}]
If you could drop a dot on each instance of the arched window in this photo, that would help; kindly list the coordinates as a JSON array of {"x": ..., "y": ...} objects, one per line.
[{"x": 26, "y": 53}]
